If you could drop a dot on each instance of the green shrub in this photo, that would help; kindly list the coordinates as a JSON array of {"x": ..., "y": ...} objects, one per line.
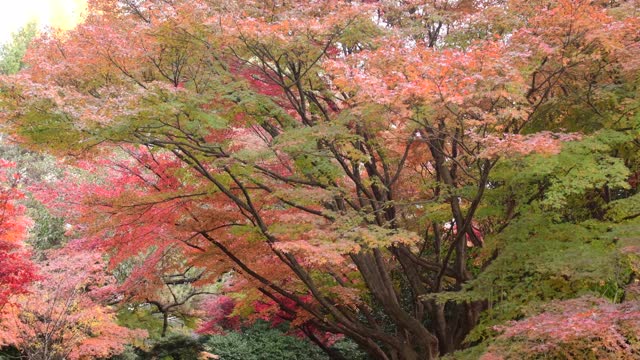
[
  {"x": 175, "y": 347},
  {"x": 130, "y": 353},
  {"x": 261, "y": 342}
]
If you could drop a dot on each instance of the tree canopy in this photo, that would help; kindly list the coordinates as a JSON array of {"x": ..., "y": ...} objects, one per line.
[{"x": 393, "y": 172}]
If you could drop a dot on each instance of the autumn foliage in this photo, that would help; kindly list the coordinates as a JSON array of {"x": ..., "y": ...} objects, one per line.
[
  {"x": 328, "y": 161},
  {"x": 63, "y": 316},
  {"x": 581, "y": 329},
  {"x": 16, "y": 271}
]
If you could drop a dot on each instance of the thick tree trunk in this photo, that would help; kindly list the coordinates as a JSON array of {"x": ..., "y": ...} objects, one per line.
[{"x": 452, "y": 326}]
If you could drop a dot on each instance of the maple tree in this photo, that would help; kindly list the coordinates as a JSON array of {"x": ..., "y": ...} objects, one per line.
[
  {"x": 580, "y": 328},
  {"x": 333, "y": 156},
  {"x": 62, "y": 317},
  {"x": 16, "y": 271},
  {"x": 169, "y": 288},
  {"x": 148, "y": 265}
]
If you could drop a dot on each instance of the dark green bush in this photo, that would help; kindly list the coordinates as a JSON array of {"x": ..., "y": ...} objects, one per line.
[
  {"x": 261, "y": 342},
  {"x": 175, "y": 347}
]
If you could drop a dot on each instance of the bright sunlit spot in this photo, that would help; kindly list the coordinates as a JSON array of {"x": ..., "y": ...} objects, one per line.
[{"x": 62, "y": 14}]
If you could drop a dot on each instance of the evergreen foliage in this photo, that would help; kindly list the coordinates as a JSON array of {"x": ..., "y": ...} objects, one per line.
[
  {"x": 12, "y": 52},
  {"x": 261, "y": 342}
]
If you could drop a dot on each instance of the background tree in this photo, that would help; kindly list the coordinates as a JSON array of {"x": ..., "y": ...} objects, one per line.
[
  {"x": 62, "y": 317},
  {"x": 12, "y": 52},
  {"x": 172, "y": 289},
  {"x": 17, "y": 271}
]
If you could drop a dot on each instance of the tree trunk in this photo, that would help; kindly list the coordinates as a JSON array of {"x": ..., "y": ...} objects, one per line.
[
  {"x": 165, "y": 323},
  {"x": 451, "y": 327}
]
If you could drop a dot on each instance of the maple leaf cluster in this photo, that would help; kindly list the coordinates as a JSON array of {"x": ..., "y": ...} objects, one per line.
[
  {"x": 584, "y": 327},
  {"x": 63, "y": 313},
  {"x": 16, "y": 271}
]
